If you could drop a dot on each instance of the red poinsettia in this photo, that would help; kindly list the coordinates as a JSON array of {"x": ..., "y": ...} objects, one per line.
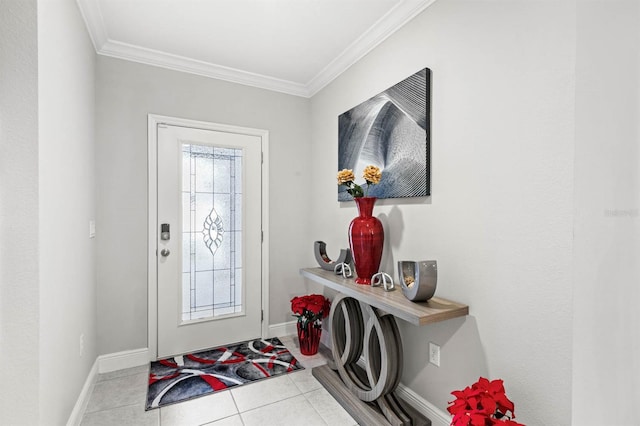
[
  {"x": 310, "y": 308},
  {"x": 483, "y": 404}
]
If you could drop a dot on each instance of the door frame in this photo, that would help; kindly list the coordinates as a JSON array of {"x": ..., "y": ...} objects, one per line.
[{"x": 152, "y": 214}]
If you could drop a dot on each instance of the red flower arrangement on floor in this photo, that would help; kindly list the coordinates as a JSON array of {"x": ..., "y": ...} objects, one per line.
[
  {"x": 483, "y": 404},
  {"x": 310, "y": 310}
]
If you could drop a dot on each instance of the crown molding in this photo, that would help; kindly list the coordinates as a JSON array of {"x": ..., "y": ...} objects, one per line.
[
  {"x": 376, "y": 34},
  {"x": 391, "y": 22},
  {"x": 92, "y": 15},
  {"x": 157, "y": 58}
]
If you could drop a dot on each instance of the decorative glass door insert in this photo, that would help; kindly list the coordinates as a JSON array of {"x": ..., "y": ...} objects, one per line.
[{"x": 211, "y": 232}]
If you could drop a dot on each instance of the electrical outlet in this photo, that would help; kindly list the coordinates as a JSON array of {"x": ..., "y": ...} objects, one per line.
[
  {"x": 81, "y": 344},
  {"x": 434, "y": 354}
]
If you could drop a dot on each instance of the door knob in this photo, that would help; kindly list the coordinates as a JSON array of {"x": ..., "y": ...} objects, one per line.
[{"x": 165, "y": 252}]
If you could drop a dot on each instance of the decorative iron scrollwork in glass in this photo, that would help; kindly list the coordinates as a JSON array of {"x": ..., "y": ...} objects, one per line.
[{"x": 213, "y": 231}]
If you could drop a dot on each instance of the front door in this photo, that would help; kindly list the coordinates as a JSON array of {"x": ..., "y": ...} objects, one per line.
[{"x": 208, "y": 238}]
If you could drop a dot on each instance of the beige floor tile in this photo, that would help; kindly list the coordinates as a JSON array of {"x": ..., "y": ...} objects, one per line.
[
  {"x": 288, "y": 412},
  {"x": 227, "y": 421},
  {"x": 329, "y": 409},
  {"x": 123, "y": 373},
  {"x": 258, "y": 394},
  {"x": 130, "y": 415},
  {"x": 199, "y": 411},
  {"x": 304, "y": 380},
  {"x": 118, "y": 392}
]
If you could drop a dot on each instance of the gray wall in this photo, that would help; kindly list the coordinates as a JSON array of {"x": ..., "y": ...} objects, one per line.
[
  {"x": 19, "y": 290},
  {"x": 126, "y": 93},
  {"x": 499, "y": 221},
  {"x": 66, "y": 62},
  {"x": 606, "y": 332},
  {"x": 47, "y": 279}
]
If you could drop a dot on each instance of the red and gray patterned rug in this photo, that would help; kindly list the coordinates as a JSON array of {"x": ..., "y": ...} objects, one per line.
[{"x": 194, "y": 375}]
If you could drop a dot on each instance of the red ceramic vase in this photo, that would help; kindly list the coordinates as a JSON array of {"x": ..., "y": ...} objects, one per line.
[
  {"x": 309, "y": 338},
  {"x": 366, "y": 238}
]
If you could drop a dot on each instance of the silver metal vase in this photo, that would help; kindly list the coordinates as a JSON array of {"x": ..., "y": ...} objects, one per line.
[{"x": 418, "y": 279}]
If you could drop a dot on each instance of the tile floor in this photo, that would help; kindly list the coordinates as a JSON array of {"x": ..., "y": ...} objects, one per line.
[{"x": 296, "y": 398}]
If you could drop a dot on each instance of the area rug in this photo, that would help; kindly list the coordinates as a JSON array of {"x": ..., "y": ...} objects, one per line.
[{"x": 194, "y": 375}]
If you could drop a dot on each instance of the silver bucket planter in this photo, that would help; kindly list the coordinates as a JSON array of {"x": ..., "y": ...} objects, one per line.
[{"x": 418, "y": 279}]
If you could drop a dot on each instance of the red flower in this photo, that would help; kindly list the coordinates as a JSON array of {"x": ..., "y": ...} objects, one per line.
[
  {"x": 471, "y": 418},
  {"x": 483, "y": 404},
  {"x": 312, "y": 307},
  {"x": 298, "y": 305},
  {"x": 493, "y": 393}
]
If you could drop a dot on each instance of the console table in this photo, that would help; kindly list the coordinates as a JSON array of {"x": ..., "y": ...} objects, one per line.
[{"x": 368, "y": 392}]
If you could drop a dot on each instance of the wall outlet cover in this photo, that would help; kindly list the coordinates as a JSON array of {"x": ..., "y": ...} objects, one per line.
[{"x": 434, "y": 354}]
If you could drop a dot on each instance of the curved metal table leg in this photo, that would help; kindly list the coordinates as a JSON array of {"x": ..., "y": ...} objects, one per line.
[{"x": 359, "y": 331}]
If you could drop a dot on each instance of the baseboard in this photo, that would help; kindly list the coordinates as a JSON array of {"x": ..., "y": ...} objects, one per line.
[
  {"x": 436, "y": 415},
  {"x": 83, "y": 399},
  {"x": 121, "y": 360},
  {"x": 283, "y": 329}
]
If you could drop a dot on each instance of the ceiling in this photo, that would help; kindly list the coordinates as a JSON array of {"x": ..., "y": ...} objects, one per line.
[{"x": 290, "y": 46}]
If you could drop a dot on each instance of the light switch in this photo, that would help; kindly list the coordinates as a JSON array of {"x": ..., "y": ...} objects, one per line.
[{"x": 92, "y": 228}]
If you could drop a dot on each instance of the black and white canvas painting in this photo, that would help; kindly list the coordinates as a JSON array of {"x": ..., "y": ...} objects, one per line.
[{"x": 390, "y": 131}]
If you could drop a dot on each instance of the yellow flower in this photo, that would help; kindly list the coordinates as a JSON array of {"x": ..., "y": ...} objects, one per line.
[
  {"x": 372, "y": 175},
  {"x": 345, "y": 176}
]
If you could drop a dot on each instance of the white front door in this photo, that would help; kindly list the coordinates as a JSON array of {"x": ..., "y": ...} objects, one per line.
[{"x": 208, "y": 238}]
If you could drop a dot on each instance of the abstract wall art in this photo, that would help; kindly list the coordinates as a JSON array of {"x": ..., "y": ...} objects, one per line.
[{"x": 391, "y": 131}]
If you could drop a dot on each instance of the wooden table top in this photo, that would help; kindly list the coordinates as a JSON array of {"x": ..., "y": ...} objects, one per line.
[{"x": 393, "y": 302}]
